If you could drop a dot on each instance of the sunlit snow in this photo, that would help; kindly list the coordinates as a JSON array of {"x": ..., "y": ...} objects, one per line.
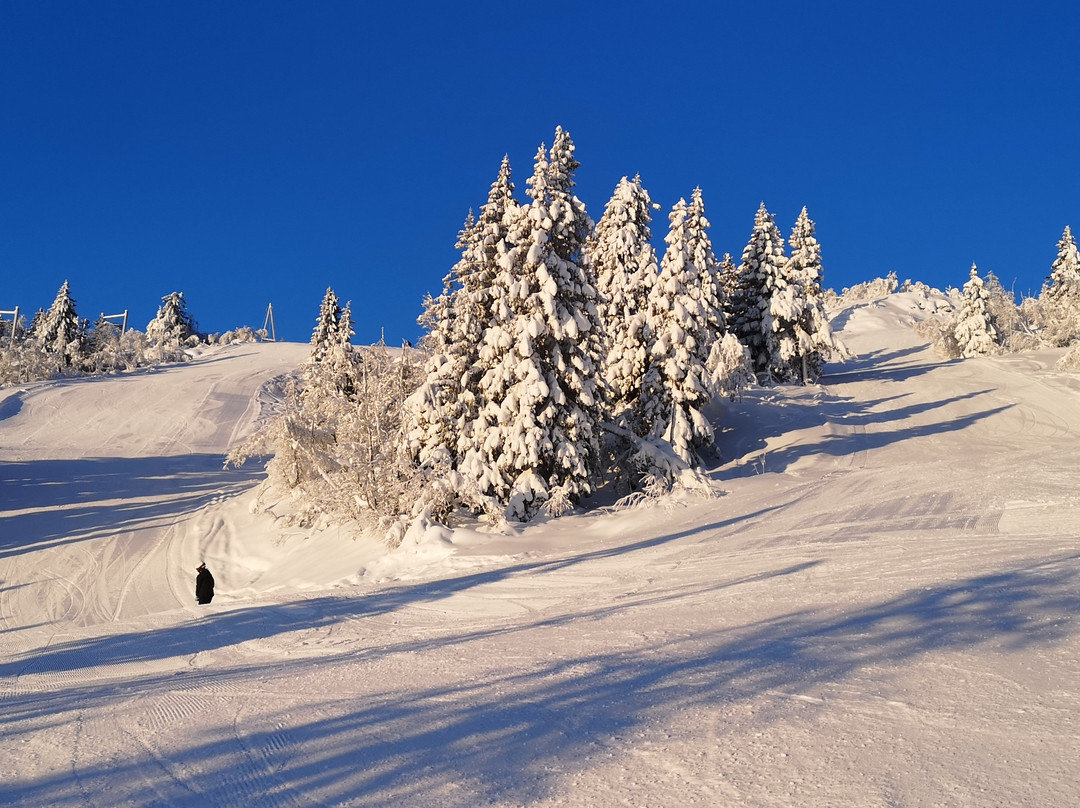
[{"x": 880, "y": 609}]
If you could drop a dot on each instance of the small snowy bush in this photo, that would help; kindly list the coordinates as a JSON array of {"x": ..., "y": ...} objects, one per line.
[{"x": 870, "y": 290}]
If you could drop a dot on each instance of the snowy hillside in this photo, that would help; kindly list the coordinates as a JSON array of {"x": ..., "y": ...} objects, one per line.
[{"x": 881, "y": 610}]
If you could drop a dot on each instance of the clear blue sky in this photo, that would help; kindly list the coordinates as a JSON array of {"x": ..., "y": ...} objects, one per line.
[{"x": 255, "y": 152}]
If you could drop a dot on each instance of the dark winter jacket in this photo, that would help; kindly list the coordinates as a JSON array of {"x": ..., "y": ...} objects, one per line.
[{"x": 204, "y": 586}]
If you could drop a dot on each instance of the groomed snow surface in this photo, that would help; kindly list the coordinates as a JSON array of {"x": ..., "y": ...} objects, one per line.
[{"x": 881, "y": 610}]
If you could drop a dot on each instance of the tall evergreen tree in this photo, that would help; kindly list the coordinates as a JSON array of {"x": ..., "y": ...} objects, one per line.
[
  {"x": 345, "y": 328},
  {"x": 482, "y": 295},
  {"x": 700, "y": 252},
  {"x": 483, "y": 304},
  {"x": 344, "y": 360},
  {"x": 728, "y": 273},
  {"x": 433, "y": 412},
  {"x": 624, "y": 263},
  {"x": 170, "y": 329},
  {"x": 806, "y": 253},
  {"x": 974, "y": 332},
  {"x": 325, "y": 336},
  {"x": 1057, "y": 313},
  {"x": 327, "y": 395},
  {"x": 1064, "y": 280},
  {"x": 59, "y": 331},
  {"x": 677, "y": 383},
  {"x": 173, "y": 314},
  {"x": 540, "y": 404},
  {"x": 443, "y": 411},
  {"x": 797, "y": 307},
  {"x": 762, "y": 264},
  {"x": 36, "y": 322},
  {"x": 438, "y": 315}
]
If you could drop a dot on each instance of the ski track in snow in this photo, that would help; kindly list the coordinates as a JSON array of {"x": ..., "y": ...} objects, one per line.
[{"x": 879, "y": 611}]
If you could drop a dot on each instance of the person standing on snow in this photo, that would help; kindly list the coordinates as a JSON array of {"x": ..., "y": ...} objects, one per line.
[{"x": 204, "y": 584}]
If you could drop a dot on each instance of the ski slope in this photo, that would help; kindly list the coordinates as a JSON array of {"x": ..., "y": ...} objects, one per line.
[{"x": 880, "y": 610}]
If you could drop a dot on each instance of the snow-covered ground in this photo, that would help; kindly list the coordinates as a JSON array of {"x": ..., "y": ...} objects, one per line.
[{"x": 881, "y": 610}]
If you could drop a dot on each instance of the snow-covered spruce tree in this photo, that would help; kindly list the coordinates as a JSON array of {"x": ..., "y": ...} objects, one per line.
[
  {"x": 174, "y": 312},
  {"x": 700, "y": 251},
  {"x": 536, "y": 442},
  {"x": 481, "y": 299},
  {"x": 624, "y": 263},
  {"x": 328, "y": 378},
  {"x": 974, "y": 333},
  {"x": 59, "y": 333},
  {"x": 36, "y": 321},
  {"x": 171, "y": 329},
  {"x": 728, "y": 273},
  {"x": 1064, "y": 280},
  {"x": 483, "y": 306},
  {"x": 797, "y": 308},
  {"x": 762, "y": 263},
  {"x": 1058, "y": 309},
  {"x": 339, "y": 364},
  {"x": 325, "y": 335},
  {"x": 792, "y": 350},
  {"x": 345, "y": 328},
  {"x": 437, "y": 317},
  {"x": 677, "y": 383},
  {"x": 443, "y": 411},
  {"x": 434, "y": 412}
]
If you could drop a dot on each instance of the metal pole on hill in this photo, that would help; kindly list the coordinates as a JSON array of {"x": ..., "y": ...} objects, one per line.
[
  {"x": 270, "y": 321},
  {"x": 14, "y": 323},
  {"x": 122, "y": 317}
]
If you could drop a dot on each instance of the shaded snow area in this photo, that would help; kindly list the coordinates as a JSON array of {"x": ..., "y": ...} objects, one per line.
[{"x": 880, "y": 610}]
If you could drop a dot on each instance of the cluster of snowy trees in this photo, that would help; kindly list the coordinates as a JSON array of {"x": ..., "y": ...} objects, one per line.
[
  {"x": 988, "y": 320},
  {"x": 559, "y": 356},
  {"x": 563, "y": 353},
  {"x": 778, "y": 305},
  {"x": 59, "y": 342}
]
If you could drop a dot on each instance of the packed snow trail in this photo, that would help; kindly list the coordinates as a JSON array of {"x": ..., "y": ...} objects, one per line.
[
  {"x": 880, "y": 611},
  {"x": 99, "y": 473}
]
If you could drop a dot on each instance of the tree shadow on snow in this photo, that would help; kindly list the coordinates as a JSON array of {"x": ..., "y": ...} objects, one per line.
[
  {"x": 65, "y": 501},
  {"x": 746, "y": 430},
  {"x": 516, "y": 732},
  {"x": 215, "y": 630},
  {"x": 11, "y": 405},
  {"x": 880, "y": 366}
]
